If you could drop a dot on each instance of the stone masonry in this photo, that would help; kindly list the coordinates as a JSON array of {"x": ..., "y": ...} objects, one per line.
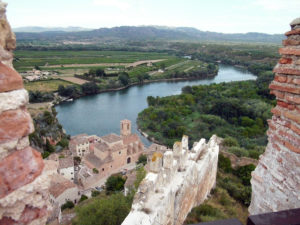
[
  {"x": 276, "y": 179},
  {"x": 177, "y": 181},
  {"x": 24, "y": 177}
]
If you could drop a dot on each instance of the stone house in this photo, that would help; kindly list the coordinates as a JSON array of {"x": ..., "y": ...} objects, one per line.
[
  {"x": 62, "y": 190},
  {"x": 66, "y": 167},
  {"x": 80, "y": 145},
  {"x": 113, "y": 152}
]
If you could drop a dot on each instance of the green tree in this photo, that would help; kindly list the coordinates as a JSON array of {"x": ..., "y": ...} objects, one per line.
[
  {"x": 224, "y": 164},
  {"x": 142, "y": 159},
  {"x": 244, "y": 173},
  {"x": 89, "y": 88},
  {"x": 67, "y": 205},
  {"x": 124, "y": 78},
  {"x": 49, "y": 148},
  {"x": 82, "y": 198},
  {"x": 114, "y": 183},
  {"x": 111, "y": 210}
]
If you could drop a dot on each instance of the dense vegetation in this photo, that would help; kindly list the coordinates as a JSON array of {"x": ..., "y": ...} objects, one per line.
[
  {"x": 110, "y": 208},
  {"x": 236, "y": 110}
]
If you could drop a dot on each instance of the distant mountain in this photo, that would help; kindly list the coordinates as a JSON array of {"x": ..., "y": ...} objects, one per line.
[
  {"x": 46, "y": 29},
  {"x": 146, "y": 33}
]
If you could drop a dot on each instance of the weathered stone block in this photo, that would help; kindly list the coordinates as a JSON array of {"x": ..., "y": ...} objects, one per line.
[
  {"x": 290, "y": 42},
  {"x": 18, "y": 169},
  {"x": 293, "y": 32},
  {"x": 284, "y": 87},
  {"x": 289, "y": 51},
  {"x": 9, "y": 79},
  {"x": 13, "y": 99},
  {"x": 15, "y": 124}
]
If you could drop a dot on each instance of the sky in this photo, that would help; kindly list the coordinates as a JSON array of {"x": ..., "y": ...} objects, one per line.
[{"x": 226, "y": 16}]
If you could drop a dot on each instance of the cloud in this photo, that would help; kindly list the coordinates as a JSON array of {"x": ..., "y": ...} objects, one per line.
[
  {"x": 120, "y": 4},
  {"x": 276, "y": 5}
]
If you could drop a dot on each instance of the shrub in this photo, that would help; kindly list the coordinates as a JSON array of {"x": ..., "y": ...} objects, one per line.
[
  {"x": 244, "y": 173},
  {"x": 230, "y": 142},
  {"x": 67, "y": 205},
  {"x": 142, "y": 159},
  {"x": 82, "y": 198},
  {"x": 239, "y": 152},
  {"x": 95, "y": 193},
  {"x": 111, "y": 210},
  {"x": 115, "y": 183},
  {"x": 95, "y": 170},
  {"x": 224, "y": 164}
]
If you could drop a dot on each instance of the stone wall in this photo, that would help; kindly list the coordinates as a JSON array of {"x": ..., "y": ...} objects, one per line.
[
  {"x": 178, "y": 181},
  {"x": 24, "y": 177},
  {"x": 276, "y": 179}
]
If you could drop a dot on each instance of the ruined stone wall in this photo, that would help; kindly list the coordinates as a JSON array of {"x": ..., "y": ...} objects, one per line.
[
  {"x": 178, "y": 181},
  {"x": 24, "y": 177},
  {"x": 276, "y": 180}
]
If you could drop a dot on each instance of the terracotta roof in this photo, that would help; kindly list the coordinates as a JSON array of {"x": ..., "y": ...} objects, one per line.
[
  {"x": 79, "y": 140},
  {"x": 130, "y": 139},
  {"x": 117, "y": 147},
  {"x": 66, "y": 162},
  {"x": 101, "y": 147},
  {"x": 59, "y": 185},
  {"x": 79, "y": 136},
  {"x": 111, "y": 138},
  {"x": 95, "y": 161}
]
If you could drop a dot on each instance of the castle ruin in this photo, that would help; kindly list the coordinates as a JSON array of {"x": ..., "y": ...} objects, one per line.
[{"x": 178, "y": 180}]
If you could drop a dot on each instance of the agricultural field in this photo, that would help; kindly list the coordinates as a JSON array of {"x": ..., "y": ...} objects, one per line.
[
  {"x": 46, "y": 86},
  {"x": 75, "y": 67},
  {"x": 26, "y": 59}
]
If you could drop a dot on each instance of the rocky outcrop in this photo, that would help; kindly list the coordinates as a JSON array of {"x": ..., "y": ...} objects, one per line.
[
  {"x": 178, "y": 180},
  {"x": 24, "y": 176},
  {"x": 276, "y": 179}
]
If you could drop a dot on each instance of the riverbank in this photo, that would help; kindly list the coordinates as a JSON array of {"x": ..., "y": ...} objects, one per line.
[
  {"x": 104, "y": 110},
  {"x": 140, "y": 83}
]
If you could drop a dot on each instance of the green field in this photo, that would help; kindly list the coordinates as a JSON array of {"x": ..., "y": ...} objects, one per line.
[
  {"x": 46, "y": 86},
  {"x": 26, "y": 59}
]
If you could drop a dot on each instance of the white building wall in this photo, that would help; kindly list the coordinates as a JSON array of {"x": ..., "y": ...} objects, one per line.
[
  {"x": 70, "y": 194},
  {"x": 83, "y": 149},
  {"x": 67, "y": 173}
]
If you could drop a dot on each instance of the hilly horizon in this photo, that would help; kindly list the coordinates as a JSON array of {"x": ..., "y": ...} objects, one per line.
[{"x": 139, "y": 33}]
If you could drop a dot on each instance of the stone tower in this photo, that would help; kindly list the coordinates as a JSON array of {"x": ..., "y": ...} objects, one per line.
[
  {"x": 125, "y": 127},
  {"x": 276, "y": 179},
  {"x": 24, "y": 176}
]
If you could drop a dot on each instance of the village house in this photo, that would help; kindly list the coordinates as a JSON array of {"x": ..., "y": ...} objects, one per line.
[
  {"x": 107, "y": 154},
  {"x": 80, "y": 145},
  {"x": 66, "y": 167},
  {"x": 62, "y": 190}
]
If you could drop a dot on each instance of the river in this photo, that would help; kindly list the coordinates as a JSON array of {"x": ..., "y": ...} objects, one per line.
[{"x": 101, "y": 114}]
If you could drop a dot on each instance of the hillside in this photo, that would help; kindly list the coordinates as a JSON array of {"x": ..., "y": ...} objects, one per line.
[{"x": 145, "y": 33}]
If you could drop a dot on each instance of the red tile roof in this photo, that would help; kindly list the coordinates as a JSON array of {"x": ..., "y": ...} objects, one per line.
[{"x": 59, "y": 185}]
